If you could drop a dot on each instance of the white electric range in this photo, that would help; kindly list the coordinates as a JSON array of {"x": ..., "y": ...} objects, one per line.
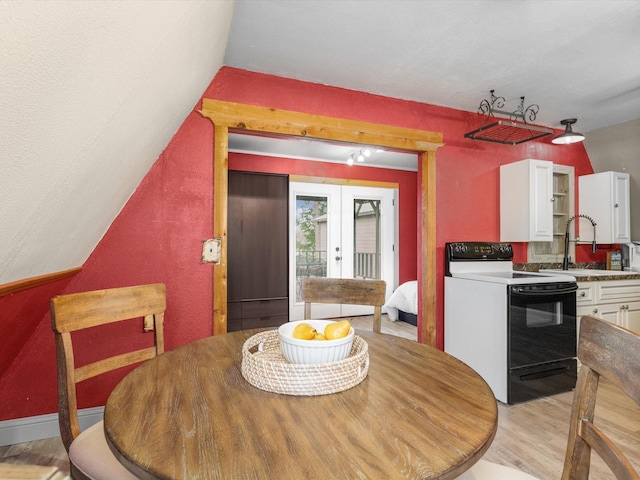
[{"x": 516, "y": 329}]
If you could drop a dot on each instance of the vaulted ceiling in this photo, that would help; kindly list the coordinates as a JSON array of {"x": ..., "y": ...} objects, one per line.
[{"x": 92, "y": 92}]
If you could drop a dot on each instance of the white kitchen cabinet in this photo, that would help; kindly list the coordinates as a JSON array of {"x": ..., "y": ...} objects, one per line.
[
  {"x": 526, "y": 201},
  {"x": 631, "y": 319},
  {"x": 605, "y": 197},
  {"x": 617, "y": 301},
  {"x": 563, "y": 209}
]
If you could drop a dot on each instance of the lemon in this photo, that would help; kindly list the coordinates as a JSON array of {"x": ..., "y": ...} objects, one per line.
[
  {"x": 304, "y": 331},
  {"x": 337, "y": 330}
]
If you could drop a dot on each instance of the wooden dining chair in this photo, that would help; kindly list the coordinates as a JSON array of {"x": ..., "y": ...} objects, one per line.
[
  {"x": 89, "y": 454},
  {"x": 345, "y": 291},
  {"x": 16, "y": 471},
  {"x": 612, "y": 352},
  {"x": 604, "y": 350}
]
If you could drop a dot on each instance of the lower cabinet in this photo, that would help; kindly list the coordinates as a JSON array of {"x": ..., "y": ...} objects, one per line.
[{"x": 616, "y": 301}]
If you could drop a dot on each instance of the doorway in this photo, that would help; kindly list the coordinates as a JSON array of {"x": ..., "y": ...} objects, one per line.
[
  {"x": 340, "y": 231},
  {"x": 266, "y": 120}
]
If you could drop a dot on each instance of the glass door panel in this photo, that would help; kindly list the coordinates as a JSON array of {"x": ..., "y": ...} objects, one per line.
[
  {"x": 314, "y": 210},
  {"x": 369, "y": 238},
  {"x": 366, "y": 239},
  {"x": 311, "y": 238},
  {"x": 341, "y": 232}
]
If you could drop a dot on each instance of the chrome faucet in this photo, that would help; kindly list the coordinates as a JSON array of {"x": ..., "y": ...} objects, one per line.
[{"x": 594, "y": 247}]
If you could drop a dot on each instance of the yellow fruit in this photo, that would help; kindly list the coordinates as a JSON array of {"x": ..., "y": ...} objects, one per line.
[
  {"x": 319, "y": 336},
  {"x": 337, "y": 330},
  {"x": 304, "y": 331}
]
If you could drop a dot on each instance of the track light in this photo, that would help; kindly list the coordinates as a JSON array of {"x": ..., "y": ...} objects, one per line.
[
  {"x": 569, "y": 136},
  {"x": 359, "y": 156}
]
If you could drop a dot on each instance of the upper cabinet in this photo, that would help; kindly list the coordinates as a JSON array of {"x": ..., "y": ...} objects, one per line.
[
  {"x": 563, "y": 210},
  {"x": 605, "y": 198},
  {"x": 526, "y": 201}
]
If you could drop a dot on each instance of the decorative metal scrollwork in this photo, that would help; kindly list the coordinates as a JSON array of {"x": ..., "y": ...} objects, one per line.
[{"x": 494, "y": 104}]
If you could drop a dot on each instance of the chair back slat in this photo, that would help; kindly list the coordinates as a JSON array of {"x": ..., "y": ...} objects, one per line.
[
  {"x": 112, "y": 363},
  {"x": 609, "y": 351},
  {"x": 345, "y": 291},
  {"x": 79, "y": 311},
  {"x": 90, "y": 309}
]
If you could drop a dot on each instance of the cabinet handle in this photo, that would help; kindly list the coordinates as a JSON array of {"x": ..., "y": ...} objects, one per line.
[
  {"x": 338, "y": 258},
  {"x": 583, "y": 294},
  {"x": 615, "y": 206},
  {"x": 553, "y": 199},
  {"x": 595, "y": 310}
]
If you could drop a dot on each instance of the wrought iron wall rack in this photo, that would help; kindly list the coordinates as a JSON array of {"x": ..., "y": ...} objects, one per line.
[{"x": 512, "y": 130}]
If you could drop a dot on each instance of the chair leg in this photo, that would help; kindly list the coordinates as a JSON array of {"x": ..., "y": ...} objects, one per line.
[{"x": 377, "y": 320}]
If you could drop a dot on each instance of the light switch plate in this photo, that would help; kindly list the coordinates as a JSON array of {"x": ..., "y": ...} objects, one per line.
[{"x": 211, "y": 251}]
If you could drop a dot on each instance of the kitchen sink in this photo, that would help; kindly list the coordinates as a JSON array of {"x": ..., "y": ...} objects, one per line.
[{"x": 585, "y": 272}]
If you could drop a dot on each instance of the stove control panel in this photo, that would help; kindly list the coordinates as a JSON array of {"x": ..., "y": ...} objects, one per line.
[{"x": 478, "y": 251}]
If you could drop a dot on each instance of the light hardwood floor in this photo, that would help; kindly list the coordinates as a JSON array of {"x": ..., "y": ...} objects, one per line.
[{"x": 531, "y": 436}]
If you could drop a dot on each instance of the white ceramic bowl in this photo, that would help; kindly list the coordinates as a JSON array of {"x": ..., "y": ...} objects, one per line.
[{"x": 313, "y": 351}]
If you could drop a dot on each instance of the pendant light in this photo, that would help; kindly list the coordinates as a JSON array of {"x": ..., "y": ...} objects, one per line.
[{"x": 569, "y": 136}]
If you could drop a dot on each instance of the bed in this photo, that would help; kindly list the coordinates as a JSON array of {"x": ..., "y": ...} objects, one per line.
[{"x": 403, "y": 303}]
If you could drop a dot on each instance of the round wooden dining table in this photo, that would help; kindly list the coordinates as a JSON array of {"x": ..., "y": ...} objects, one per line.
[{"x": 189, "y": 414}]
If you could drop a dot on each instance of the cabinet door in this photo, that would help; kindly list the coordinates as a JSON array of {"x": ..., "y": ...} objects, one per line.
[
  {"x": 621, "y": 214},
  {"x": 631, "y": 316},
  {"x": 563, "y": 209},
  {"x": 605, "y": 198},
  {"x": 526, "y": 201},
  {"x": 609, "y": 312},
  {"x": 264, "y": 241},
  {"x": 542, "y": 201}
]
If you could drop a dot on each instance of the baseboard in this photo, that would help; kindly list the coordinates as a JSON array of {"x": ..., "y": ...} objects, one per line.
[{"x": 39, "y": 427}]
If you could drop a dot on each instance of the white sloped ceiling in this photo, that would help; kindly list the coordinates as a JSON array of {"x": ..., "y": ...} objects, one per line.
[{"x": 90, "y": 95}]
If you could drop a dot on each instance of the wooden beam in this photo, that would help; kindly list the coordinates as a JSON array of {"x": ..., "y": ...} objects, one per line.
[
  {"x": 428, "y": 248},
  {"x": 220, "y": 204},
  {"x": 284, "y": 122}
]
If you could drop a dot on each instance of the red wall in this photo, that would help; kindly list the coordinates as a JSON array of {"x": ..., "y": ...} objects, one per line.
[{"x": 158, "y": 235}]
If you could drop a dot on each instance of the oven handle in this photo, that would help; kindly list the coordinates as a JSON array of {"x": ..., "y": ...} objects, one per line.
[{"x": 533, "y": 293}]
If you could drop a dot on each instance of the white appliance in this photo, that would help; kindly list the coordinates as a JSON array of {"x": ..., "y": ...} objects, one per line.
[
  {"x": 631, "y": 256},
  {"x": 516, "y": 329}
]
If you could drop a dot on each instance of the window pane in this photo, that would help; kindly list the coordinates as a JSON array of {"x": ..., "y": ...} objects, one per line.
[
  {"x": 311, "y": 238},
  {"x": 366, "y": 239}
]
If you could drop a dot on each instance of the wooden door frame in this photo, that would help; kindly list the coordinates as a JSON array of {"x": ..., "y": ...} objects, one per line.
[{"x": 269, "y": 121}]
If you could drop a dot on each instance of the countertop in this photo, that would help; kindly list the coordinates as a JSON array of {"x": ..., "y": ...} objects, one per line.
[
  {"x": 584, "y": 275},
  {"x": 586, "y": 272}
]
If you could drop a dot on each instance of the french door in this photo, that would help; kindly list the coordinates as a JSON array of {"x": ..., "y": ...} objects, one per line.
[{"x": 340, "y": 231}]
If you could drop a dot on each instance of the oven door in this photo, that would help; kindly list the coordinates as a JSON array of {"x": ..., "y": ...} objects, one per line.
[{"x": 541, "y": 323}]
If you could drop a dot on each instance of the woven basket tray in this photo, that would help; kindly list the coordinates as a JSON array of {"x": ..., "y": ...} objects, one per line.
[{"x": 265, "y": 367}]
